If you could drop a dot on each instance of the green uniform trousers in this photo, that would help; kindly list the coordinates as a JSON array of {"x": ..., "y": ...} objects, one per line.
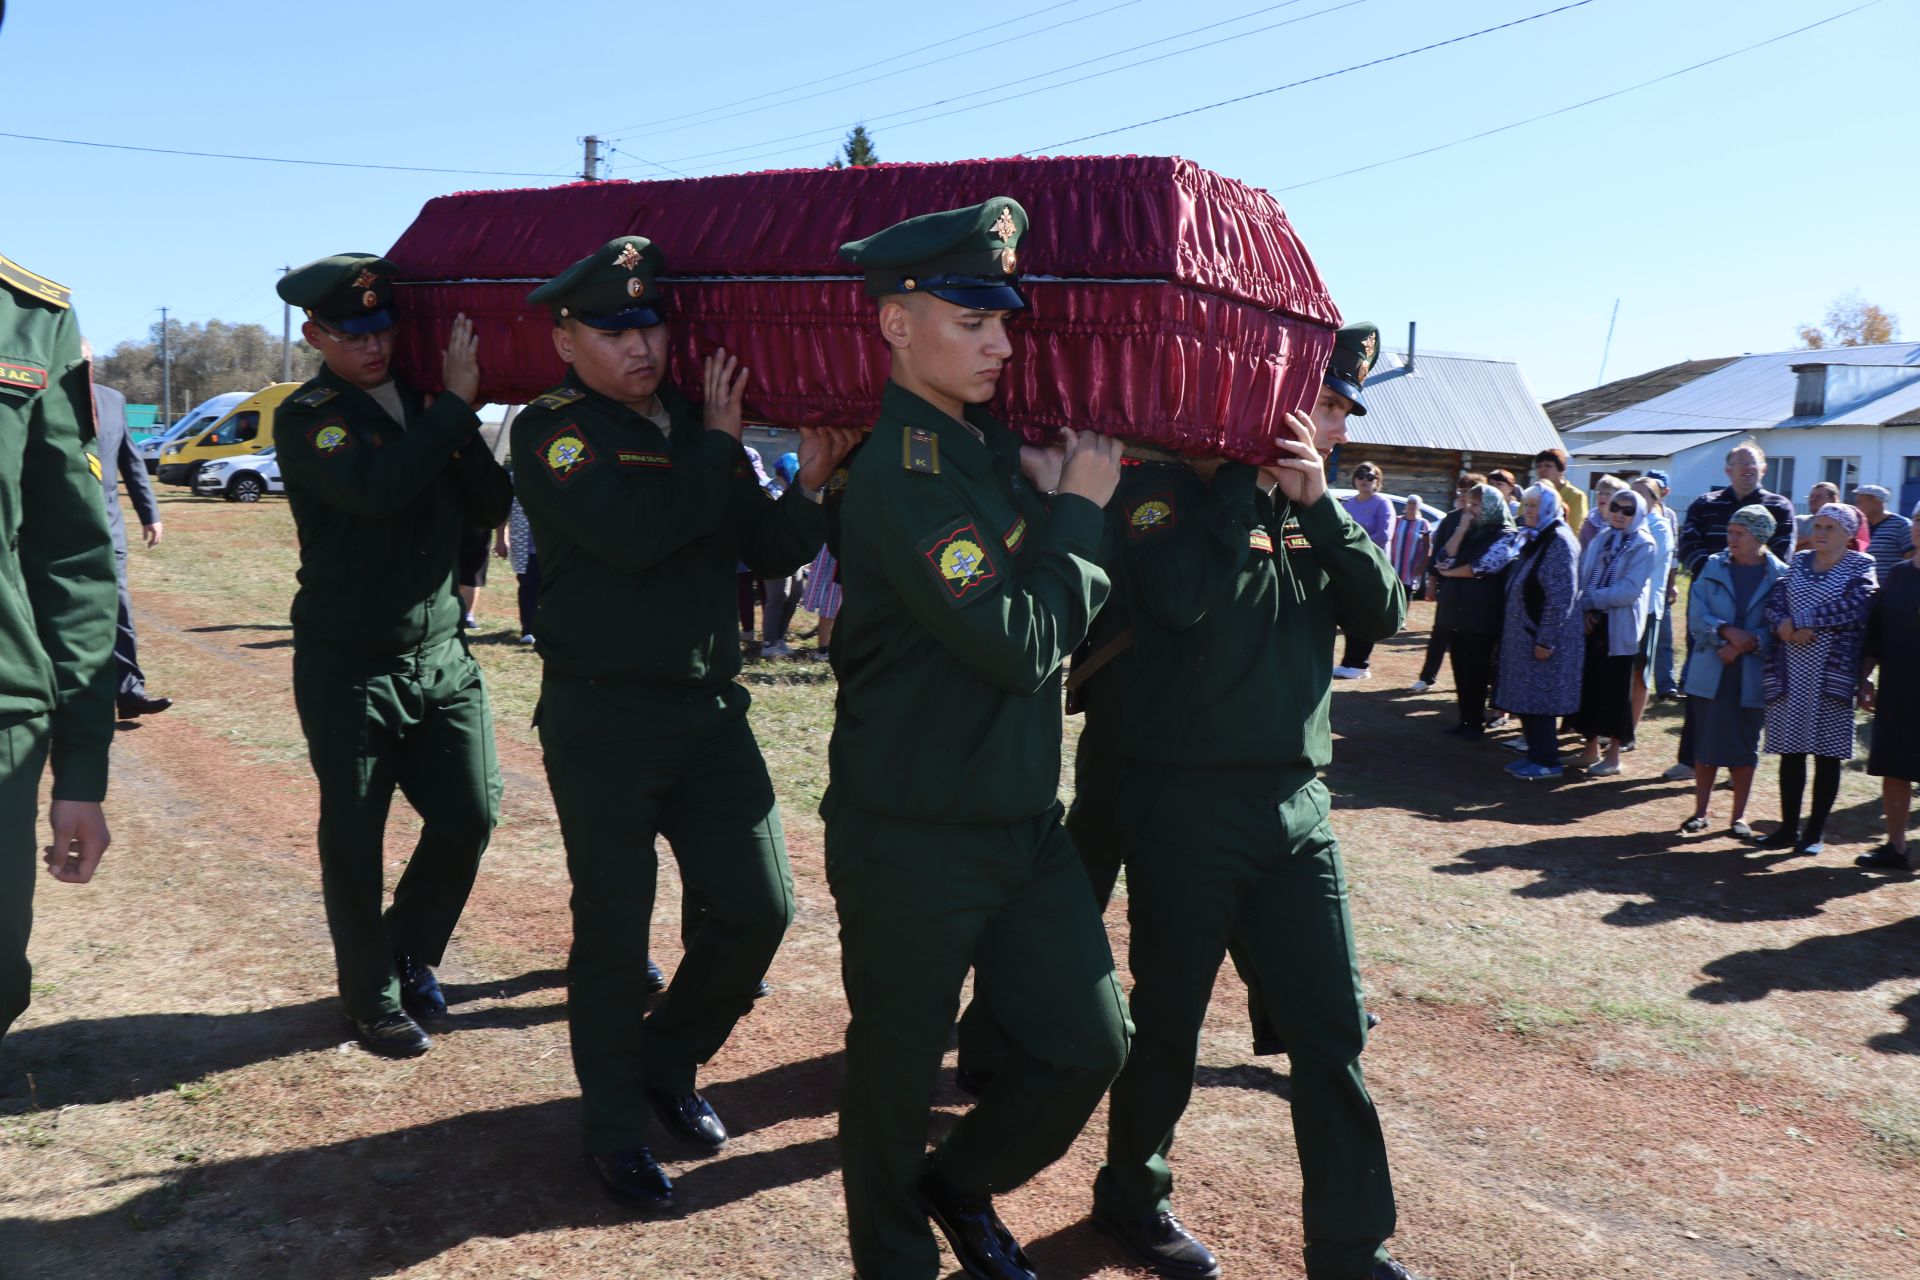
[
  {"x": 23, "y": 754},
  {"x": 1213, "y": 855},
  {"x": 919, "y": 905},
  {"x": 627, "y": 763},
  {"x": 419, "y": 722}
]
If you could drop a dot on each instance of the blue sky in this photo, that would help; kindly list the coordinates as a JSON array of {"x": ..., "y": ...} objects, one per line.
[{"x": 1723, "y": 207}]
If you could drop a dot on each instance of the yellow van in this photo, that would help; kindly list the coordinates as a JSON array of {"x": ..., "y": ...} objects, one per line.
[{"x": 246, "y": 428}]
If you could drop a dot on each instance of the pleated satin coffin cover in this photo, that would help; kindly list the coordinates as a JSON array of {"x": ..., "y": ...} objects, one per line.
[{"x": 1167, "y": 304}]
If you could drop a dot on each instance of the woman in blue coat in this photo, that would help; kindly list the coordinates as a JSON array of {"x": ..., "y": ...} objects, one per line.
[
  {"x": 1727, "y": 620},
  {"x": 1616, "y": 577},
  {"x": 1542, "y": 643}
]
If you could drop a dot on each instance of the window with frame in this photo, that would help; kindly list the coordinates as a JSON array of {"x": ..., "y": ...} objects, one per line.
[
  {"x": 1843, "y": 473},
  {"x": 1779, "y": 477}
]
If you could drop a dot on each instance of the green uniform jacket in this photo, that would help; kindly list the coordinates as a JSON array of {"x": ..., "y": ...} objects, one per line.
[
  {"x": 58, "y": 597},
  {"x": 963, "y": 594},
  {"x": 640, "y": 537},
  {"x": 380, "y": 510},
  {"x": 1233, "y": 607}
]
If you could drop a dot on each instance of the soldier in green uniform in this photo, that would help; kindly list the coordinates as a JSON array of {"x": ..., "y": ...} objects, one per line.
[
  {"x": 642, "y": 504},
  {"x": 382, "y": 481},
  {"x": 967, "y": 582},
  {"x": 1232, "y": 584},
  {"x": 58, "y": 606}
]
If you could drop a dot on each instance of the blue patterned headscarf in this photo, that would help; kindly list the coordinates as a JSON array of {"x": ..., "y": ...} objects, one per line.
[{"x": 1552, "y": 508}]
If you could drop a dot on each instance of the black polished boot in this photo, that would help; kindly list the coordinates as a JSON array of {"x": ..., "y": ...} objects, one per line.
[
  {"x": 656, "y": 980},
  {"x": 984, "y": 1247},
  {"x": 632, "y": 1177},
  {"x": 688, "y": 1117},
  {"x": 392, "y": 1035},
  {"x": 419, "y": 990},
  {"x": 1158, "y": 1242}
]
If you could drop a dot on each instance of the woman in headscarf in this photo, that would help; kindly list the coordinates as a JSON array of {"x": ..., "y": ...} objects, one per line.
[
  {"x": 1472, "y": 563},
  {"x": 1542, "y": 648},
  {"x": 1596, "y": 522},
  {"x": 1893, "y": 640},
  {"x": 1727, "y": 620},
  {"x": 1819, "y": 612},
  {"x": 1616, "y": 576}
]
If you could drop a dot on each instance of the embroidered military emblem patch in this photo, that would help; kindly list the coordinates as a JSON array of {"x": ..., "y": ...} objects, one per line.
[
  {"x": 566, "y": 452},
  {"x": 634, "y": 458},
  {"x": 1016, "y": 535},
  {"x": 22, "y": 377},
  {"x": 330, "y": 437},
  {"x": 960, "y": 560},
  {"x": 1261, "y": 540},
  {"x": 1151, "y": 516}
]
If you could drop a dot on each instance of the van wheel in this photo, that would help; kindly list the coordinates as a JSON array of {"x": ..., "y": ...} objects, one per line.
[{"x": 246, "y": 487}]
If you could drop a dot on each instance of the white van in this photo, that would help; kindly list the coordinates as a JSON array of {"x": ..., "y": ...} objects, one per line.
[{"x": 186, "y": 427}]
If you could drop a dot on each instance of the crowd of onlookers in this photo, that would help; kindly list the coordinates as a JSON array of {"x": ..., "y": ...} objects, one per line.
[{"x": 1560, "y": 616}]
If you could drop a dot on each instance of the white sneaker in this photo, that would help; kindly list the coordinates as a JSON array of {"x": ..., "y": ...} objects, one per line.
[
  {"x": 1421, "y": 686},
  {"x": 526, "y": 639},
  {"x": 778, "y": 649},
  {"x": 1352, "y": 673}
]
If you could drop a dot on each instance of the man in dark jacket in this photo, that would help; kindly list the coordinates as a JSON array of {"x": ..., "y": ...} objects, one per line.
[{"x": 118, "y": 461}]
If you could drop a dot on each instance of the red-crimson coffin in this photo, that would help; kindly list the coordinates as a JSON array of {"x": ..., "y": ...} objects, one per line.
[{"x": 1169, "y": 305}]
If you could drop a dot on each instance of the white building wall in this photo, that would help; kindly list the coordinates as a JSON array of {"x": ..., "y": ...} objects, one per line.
[{"x": 1882, "y": 454}]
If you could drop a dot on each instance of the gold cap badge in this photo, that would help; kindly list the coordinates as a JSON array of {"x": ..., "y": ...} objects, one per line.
[
  {"x": 629, "y": 257},
  {"x": 1003, "y": 226}
]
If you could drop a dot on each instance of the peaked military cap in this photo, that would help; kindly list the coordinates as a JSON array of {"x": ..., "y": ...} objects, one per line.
[
  {"x": 968, "y": 257},
  {"x": 1355, "y": 348},
  {"x": 353, "y": 292},
  {"x": 611, "y": 288}
]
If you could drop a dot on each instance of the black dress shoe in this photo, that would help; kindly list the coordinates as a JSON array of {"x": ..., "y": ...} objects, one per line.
[
  {"x": 1783, "y": 837},
  {"x": 631, "y": 1177},
  {"x": 131, "y": 708},
  {"x": 1391, "y": 1270},
  {"x": 972, "y": 1083},
  {"x": 1158, "y": 1242},
  {"x": 656, "y": 980},
  {"x": 392, "y": 1035},
  {"x": 1883, "y": 857},
  {"x": 688, "y": 1117},
  {"x": 419, "y": 989},
  {"x": 986, "y": 1250},
  {"x": 762, "y": 991}
]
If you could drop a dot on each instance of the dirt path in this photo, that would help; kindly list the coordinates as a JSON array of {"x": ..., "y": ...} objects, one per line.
[{"x": 1603, "y": 1056}]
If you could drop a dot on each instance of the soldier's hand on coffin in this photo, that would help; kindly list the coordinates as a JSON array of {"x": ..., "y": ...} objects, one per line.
[
  {"x": 460, "y": 366},
  {"x": 1299, "y": 470},
  {"x": 821, "y": 450},
  {"x": 726, "y": 381},
  {"x": 1041, "y": 463},
  {"x": 1206, "y": 468},
  {"x": 1092, "y": 469}
]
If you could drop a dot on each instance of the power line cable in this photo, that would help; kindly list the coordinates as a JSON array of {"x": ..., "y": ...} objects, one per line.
[
  {"x": 1295, "y": 84},
  {"x": 1560, "y": 111},
  {"x": 974, "y": 93},
  {"x": 626, "y": 130},
  {"x": 613, "y": 151},
  {"x": 223, "y": 155}
]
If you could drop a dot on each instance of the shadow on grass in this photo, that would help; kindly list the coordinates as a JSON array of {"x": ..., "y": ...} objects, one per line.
[
  {"x": 1830, "y": 962},
  {"x": 242, "y": 626},
  {"x": 373, "y": 1206},
  {"x": 95, "y": 1060}
]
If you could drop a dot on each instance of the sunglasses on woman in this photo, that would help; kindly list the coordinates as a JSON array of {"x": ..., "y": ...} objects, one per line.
[{"x": 1624, "y": 509}]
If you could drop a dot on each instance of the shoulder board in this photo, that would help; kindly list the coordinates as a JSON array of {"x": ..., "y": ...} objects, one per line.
[
  {"x": 920, "y": 451},
  {"x": 558, "y": 398},
  {"x": 34, "y": 286},
  {"x": 315, "y": 398}
]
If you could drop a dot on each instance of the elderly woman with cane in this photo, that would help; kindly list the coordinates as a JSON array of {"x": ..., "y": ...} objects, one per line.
[
  {"x": 1616, "y": 577},
  {"x": 1819, "y": 612},
  {"x": 1727, "y": 620},
  {"x": 1542, "y": 646}
]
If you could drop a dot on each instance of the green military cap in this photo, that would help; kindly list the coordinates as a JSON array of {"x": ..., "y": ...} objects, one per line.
[
  {"x": 611, "y": 288},
  {"x": 1355, "y": 348},
  {"x": 353, "y": 292},
  {"x": 964, "y": 256}
]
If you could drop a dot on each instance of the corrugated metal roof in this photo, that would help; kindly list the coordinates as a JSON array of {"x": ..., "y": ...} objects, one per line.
[
  {"x": 1651, "y": 444},
  {"x": 1582, "y": 407},
  {"x": 1474, "y": 404},
  {"x": 1753, "y": 393}
]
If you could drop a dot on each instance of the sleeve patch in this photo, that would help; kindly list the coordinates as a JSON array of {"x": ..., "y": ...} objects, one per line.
[
  {"x": 961, "y": 561},
  {"x": 1261, "y": 540},
  {"x": 559, "y": 398},
  {"x": 1293, "y": 538},
  {"x": 315, "y": 398},
  {"x": 639, "y": 458},
  {"x": 1016, "y": 535},
  {"x": 22, "y": 377},
  {"x": 1154, "y": 515},
  {"x": 567, "y": 453},
  {"x": 330, "y": 436}
]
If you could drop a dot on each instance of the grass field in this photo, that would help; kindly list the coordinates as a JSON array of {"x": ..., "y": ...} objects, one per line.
[{"x": 1605, "y": 1051}]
